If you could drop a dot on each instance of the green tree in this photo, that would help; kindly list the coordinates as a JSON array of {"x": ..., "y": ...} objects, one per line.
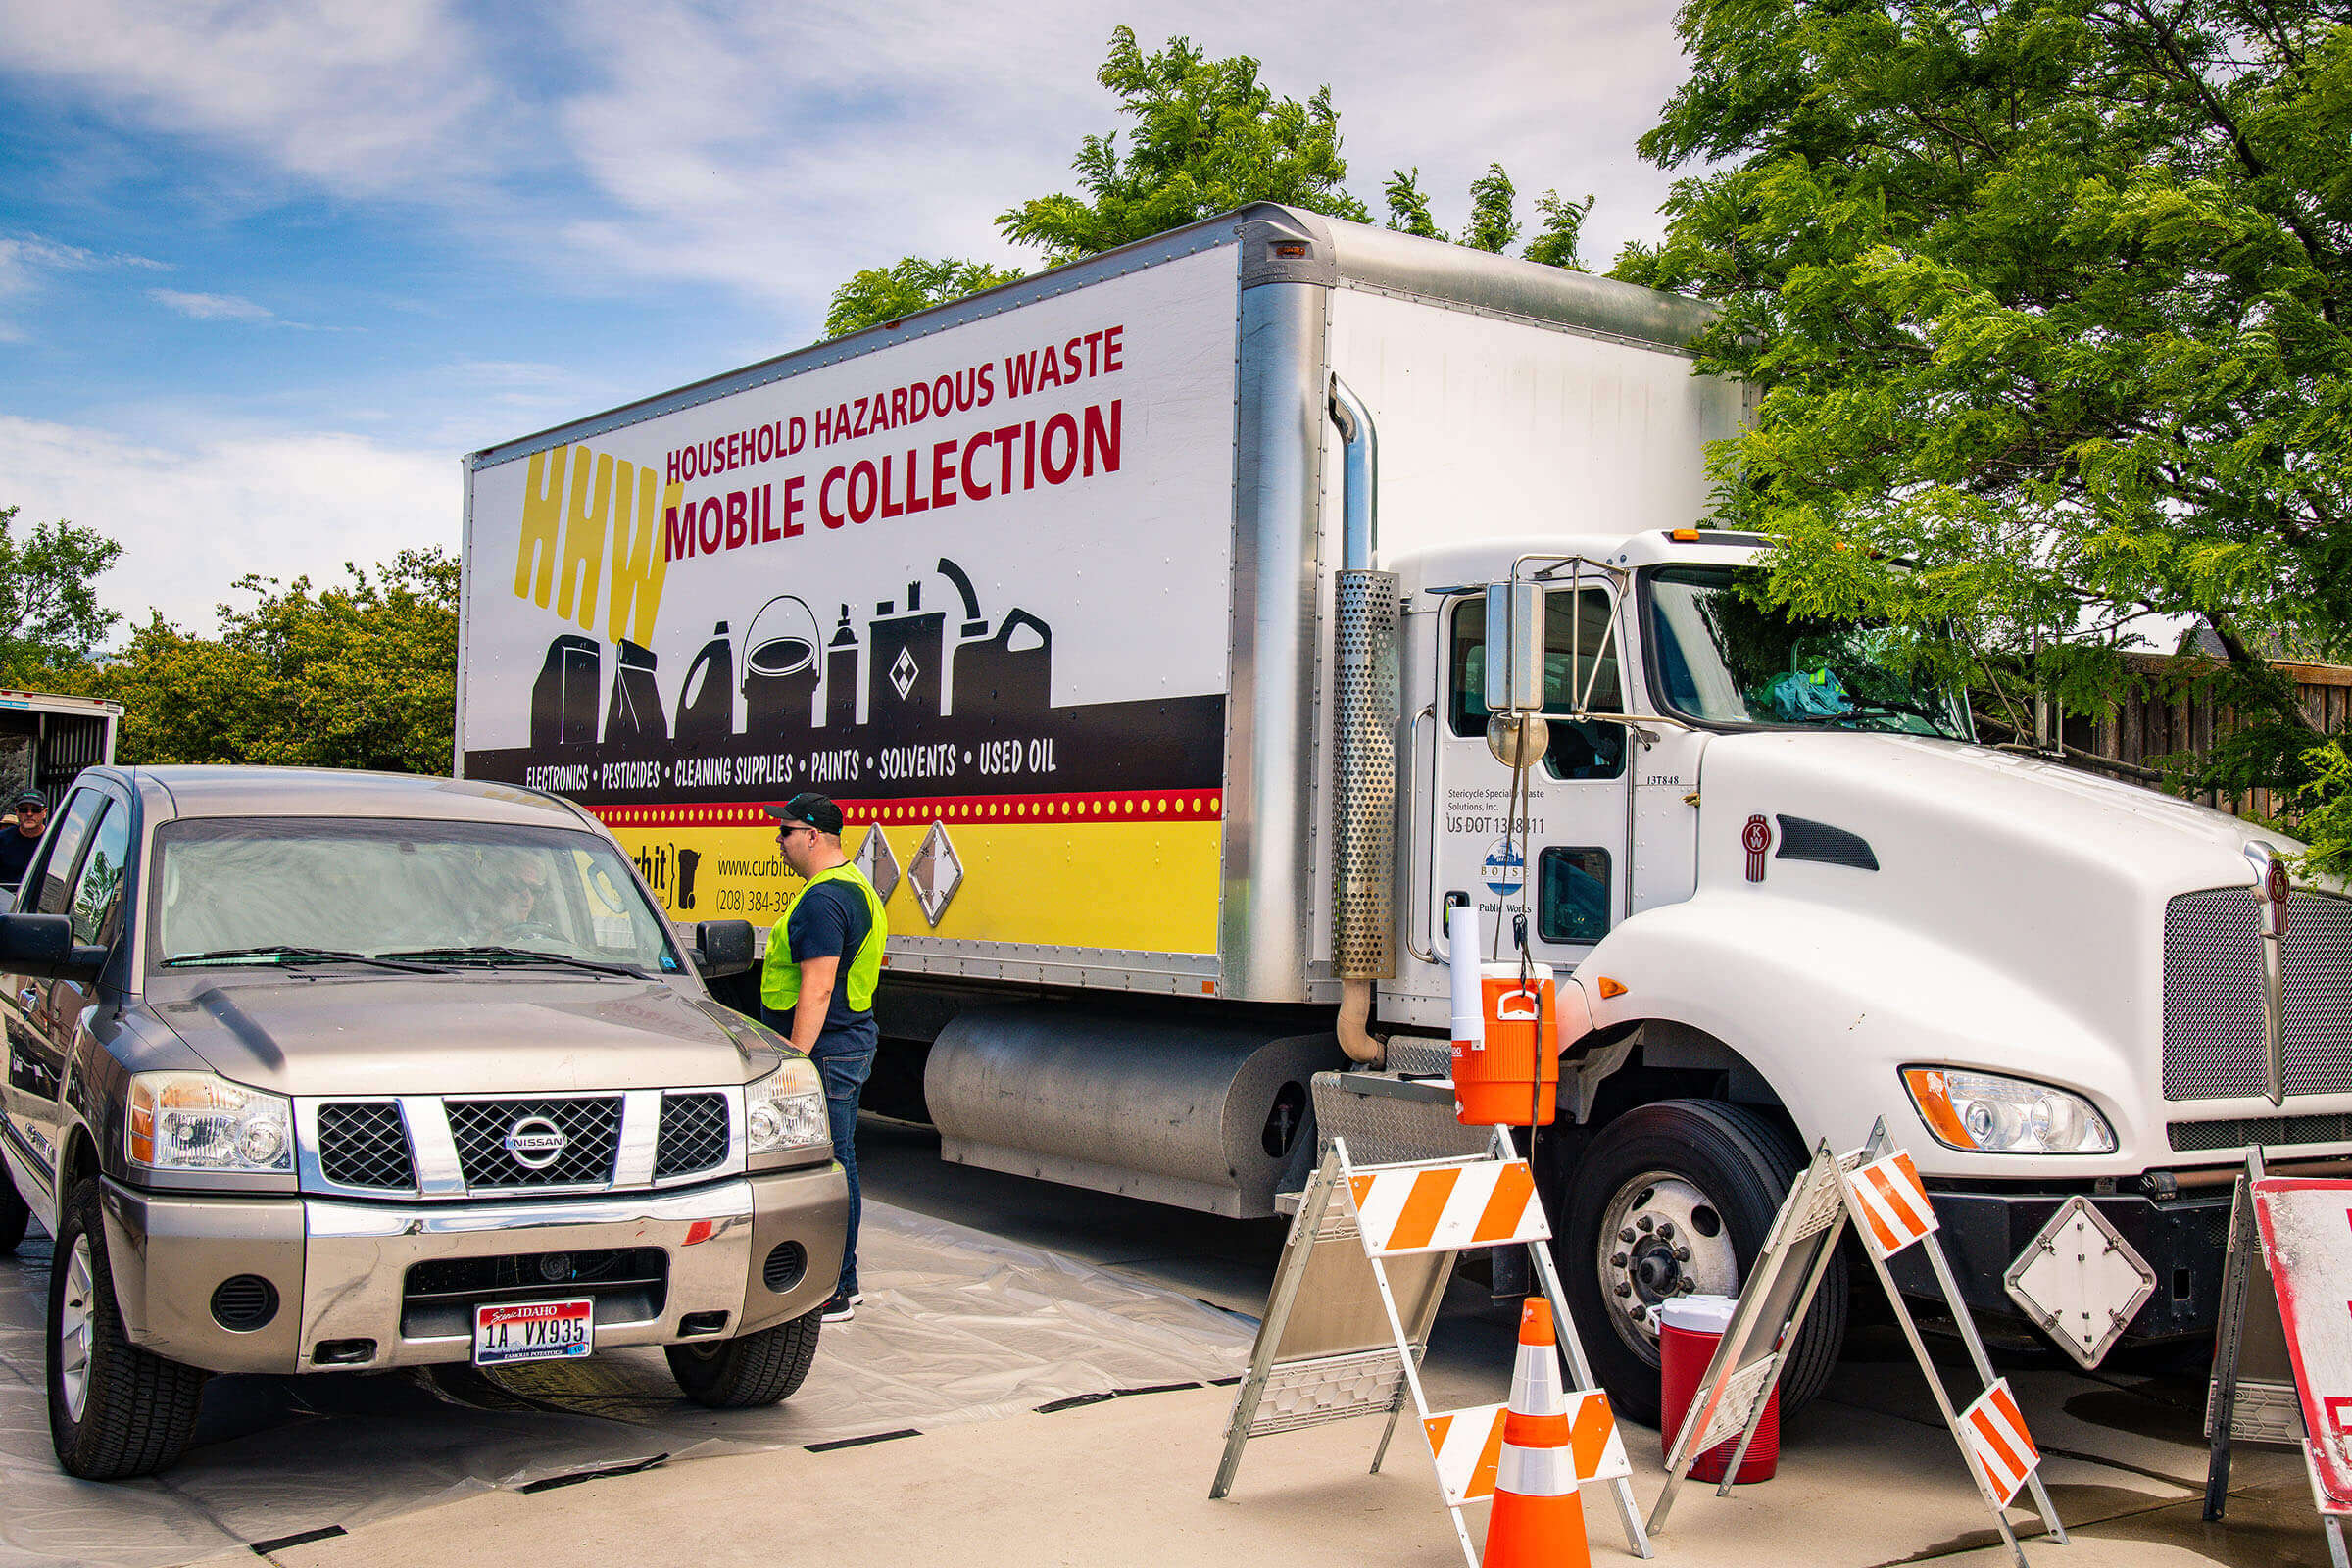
[
  {"x": 1493, "y": 218},
  {"x": 1209, "y": 137},
  {"x": 1563, "y": 228},
  {"x": 2046, "y": 296},
  {"x": 50, "y": 618},
  {"x": 913, "y": 283},
  {"x": 1408, "y": 207},
  {"x": 357, "y": 675}
]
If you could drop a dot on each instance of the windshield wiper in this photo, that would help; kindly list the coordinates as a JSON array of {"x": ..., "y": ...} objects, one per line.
[
  {"x": 305, "y": 955},
  {"x": 493, "y": 954}
]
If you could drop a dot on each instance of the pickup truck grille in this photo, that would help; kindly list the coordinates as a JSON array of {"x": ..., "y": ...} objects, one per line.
[
  {"x": 2212, "y": 996},
  {"x": 693, "y": 1134},
  {"x": 590, "y": 1126},
  {"x": 363, "y": 1143}
]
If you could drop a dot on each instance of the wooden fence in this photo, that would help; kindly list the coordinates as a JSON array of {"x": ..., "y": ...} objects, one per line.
[{"x": 2150, "y": 724}]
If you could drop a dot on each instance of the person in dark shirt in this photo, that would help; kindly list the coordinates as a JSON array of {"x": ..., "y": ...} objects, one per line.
[
  {"x": 817, "y": 987},
  {"x": 17, "y": 844}
]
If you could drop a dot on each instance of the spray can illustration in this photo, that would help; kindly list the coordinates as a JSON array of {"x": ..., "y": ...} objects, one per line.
[{"x": 841, "y": 676}]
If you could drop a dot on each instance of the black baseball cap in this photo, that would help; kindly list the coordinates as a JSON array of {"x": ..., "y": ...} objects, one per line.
[
  {"x": 808, "y": 809},
  {"x": 30, "y": 797}
]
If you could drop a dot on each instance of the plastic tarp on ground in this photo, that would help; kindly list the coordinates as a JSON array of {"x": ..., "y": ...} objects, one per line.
[{"x": 957, "y": 1326}]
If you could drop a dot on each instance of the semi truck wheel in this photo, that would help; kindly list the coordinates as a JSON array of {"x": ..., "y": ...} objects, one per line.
[
  {"x": 14, "y": 1215},
  {"x": 749, "y": 1371},
  {"x": 1671, "y": 1200},
  {"x": 115, "y": 1411}
]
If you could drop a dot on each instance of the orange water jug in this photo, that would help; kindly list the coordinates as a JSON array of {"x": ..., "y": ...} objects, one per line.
[{"x": 1506, "y": 1036}]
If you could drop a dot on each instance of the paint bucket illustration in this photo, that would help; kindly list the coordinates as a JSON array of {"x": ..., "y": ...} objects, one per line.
[
  {"x": 564, "y": 697},
  {"x": 635, "y": 715},
  {"x": 780, "y": 670},
  {"x": 707, "y": 702}
]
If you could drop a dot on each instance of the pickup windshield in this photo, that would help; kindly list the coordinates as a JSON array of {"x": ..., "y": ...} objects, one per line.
[
  {"x": 302, "y": 890},
  {"x": 1722, "y": 659}
]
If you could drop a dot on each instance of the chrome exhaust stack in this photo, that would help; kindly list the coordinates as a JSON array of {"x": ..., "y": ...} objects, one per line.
[{"x": 1364, "y": 704}]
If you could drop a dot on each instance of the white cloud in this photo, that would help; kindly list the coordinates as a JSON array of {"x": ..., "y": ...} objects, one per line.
[
  {"x": 210, "y": 307},
  {"x": 27, "y": 259},
  {"x": 194, "y": 517}
]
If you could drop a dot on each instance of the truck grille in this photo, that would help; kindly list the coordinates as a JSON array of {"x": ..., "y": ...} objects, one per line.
[
  {"x": 2198, "y": 1137},
  {"x": 693, "y": 1134},
  {"x": 591, "y": 1139},
  {"x": 628, "y": 1283},
  {"x": 361, "y": 1142},
  {"x": 2212, "y": 996}
]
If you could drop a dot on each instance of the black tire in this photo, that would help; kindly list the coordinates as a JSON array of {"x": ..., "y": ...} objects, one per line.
[
  {"x": 138, "y": 1410},
  {"x": 750, "y": 1371},
  {"x": 14, "y": 1215},
  {"x": 1742, "y": 1165}
]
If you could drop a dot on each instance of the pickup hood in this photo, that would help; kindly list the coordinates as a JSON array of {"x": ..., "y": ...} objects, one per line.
[{"x": 465, "y": 1032}]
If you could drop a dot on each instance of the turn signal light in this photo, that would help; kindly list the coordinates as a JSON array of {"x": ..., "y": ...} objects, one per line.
[
  {"x": 1682, "y": 536},
  {"x": 1610, "y": 988}
]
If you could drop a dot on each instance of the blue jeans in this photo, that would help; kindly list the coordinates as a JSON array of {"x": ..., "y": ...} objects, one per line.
[{"x": 843, "y": 1064}]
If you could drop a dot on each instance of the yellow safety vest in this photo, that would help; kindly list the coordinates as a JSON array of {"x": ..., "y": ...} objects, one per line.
[{"x": 780, "y": 977}]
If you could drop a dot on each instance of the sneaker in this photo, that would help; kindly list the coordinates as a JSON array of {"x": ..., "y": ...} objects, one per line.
[{"x": 840, "y": 1309}]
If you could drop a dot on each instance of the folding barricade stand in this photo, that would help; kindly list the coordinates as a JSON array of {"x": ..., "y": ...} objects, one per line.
[
  {"x": 1322, "y": 1354},
  {"x": 2255, "y": 1394},
  {"x": 1878, "y": 1187}
]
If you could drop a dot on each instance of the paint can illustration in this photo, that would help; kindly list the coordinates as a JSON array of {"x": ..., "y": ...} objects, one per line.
[
  {"x": 707, "y": 702},
  {"x": 564, "y": 697},
  {"x": 903, "y": 655},
  {"x": 780, "y": 670}
]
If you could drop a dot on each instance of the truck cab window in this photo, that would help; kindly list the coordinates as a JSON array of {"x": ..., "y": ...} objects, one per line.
[
  {"x": 1575, "y": 627},
  {"x": 101, "y": 881},
  {"x": 55, "y": 874},
  {"x": 1572, "y": 895}
]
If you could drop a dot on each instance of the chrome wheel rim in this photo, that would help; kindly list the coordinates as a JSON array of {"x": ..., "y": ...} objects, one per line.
[
  {"x": 1661, "y": 1237},
  {"x": 74, "y": 1328}
]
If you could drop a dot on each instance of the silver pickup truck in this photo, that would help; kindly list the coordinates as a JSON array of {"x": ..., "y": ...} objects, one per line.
[{"x": 316, "y": 1071}]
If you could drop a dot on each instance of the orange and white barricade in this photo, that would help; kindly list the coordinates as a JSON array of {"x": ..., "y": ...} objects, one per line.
[{"x": 1404, "y": 1225}]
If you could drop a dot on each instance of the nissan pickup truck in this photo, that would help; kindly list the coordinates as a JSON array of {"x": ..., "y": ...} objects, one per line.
[{"x": 320, "y": 1072}]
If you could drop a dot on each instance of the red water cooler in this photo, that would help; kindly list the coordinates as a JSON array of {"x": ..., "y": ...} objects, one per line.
[{"x": 1689, "y": 1328}]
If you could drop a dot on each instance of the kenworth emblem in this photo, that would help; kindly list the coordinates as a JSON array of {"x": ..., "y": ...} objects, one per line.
[
  {"x": 1755, "y": 838},
  {"x": 534, "y": 1142}
]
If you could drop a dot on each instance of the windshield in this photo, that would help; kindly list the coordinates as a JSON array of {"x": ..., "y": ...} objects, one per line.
[
  {"x": 1722, "y": 659},
  {"x": 314, "y": 886}
]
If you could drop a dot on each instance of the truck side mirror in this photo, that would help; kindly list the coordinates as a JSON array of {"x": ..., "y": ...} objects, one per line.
[
  {"x": 1514, "y": 648},
  {"x": 723, "y": 948},
  {"x": 43, "y": 945}
]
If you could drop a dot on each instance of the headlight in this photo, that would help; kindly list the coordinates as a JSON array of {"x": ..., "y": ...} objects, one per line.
[
  {"x": 786, "y": 1109},
  {"x": 195, "y": 1121},
  {"x": 1992, "y": 1115}
]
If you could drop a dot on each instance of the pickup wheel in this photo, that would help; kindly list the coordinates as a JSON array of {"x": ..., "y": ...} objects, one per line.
[
  {"x": 749, "y": 1371},
  {"x": 1696, "y": 1183},
  {"x": 14, "y": 1215},
  {"x": 114, "y": 1410}
]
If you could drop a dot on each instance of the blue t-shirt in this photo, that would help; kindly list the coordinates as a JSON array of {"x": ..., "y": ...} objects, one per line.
[{"x": 831, "y": 921}]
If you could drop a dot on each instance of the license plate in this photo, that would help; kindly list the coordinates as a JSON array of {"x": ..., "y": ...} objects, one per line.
[{"x": 532, "y": 1331}]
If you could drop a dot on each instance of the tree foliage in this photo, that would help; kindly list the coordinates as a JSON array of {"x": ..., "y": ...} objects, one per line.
[
  {"x": 1493, "y": 214},
  {"x": 49, "y": 611},
  {"x": 354, "y": 675},
  {"x": 2046, "y": 296},
  {"x": 913, "y": 283}
]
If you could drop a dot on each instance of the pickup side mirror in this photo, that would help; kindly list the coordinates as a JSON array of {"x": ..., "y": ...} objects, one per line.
[
  {"x": 723, "y": 948},
  {"x": 43, "y": 945}
]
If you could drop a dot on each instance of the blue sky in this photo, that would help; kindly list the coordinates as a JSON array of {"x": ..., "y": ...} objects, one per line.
[{"x": 267, "y": 270}]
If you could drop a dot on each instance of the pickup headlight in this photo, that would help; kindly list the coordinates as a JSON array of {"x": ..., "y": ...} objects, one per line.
[
  {"x": 195, "y": 1121},
  {"x": 786, "y": 1110},
  {"x": 1986, "y": 1115}
]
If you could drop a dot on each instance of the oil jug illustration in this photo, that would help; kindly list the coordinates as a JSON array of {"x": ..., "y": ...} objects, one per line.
[
  {"x": 707, "y": 702},
  {"x": 781, "y": 671},
  {"x": 635, "y": 715},
  {"x": 1004, "y": 672},
  {"x": 564, "y": 697}
]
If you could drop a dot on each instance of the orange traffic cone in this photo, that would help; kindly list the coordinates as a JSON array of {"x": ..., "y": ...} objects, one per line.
[{"x": 1538, "y": 1519}]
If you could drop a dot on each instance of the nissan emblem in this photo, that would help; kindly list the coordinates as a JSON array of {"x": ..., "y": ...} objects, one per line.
[{"x": 534, "y": 1142}]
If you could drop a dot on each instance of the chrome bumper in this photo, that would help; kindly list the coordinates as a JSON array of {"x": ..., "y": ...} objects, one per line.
[{"x": 340, "y": 1270}]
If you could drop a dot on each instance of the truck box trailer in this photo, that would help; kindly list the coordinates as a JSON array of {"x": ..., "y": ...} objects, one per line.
[{"x": 1135, "y": 615}]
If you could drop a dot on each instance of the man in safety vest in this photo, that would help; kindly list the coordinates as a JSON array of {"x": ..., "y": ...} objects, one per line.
[{"x": 818, "y": 989}]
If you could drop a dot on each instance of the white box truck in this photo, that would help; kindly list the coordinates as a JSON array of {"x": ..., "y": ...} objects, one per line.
[{"x": 1134, "y": 615}]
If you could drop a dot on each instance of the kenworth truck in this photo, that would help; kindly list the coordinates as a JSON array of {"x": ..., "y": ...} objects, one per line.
[{"x": 1135, "y": 613}]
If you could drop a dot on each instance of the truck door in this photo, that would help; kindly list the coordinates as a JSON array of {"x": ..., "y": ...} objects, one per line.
[
  {"x": 38, "y": 1040},
  {"x": 1569, "y": 874}
]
